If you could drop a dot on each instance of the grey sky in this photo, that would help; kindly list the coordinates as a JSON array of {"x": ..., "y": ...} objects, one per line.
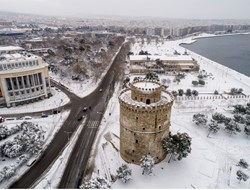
[{"x": 198, "y": 9}]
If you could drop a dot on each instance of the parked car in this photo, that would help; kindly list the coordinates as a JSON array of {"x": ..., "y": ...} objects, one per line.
[
  {"x": 100, "y": 90},
  {"x": 27, "y": 118},
  {"x": 2, "y": 119},
  {"x": 44, "y": 115},
  {"x": 85, "y": 109}
]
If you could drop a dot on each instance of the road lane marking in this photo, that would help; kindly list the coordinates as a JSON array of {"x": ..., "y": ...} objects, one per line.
[{"x": 93, "y": 124}]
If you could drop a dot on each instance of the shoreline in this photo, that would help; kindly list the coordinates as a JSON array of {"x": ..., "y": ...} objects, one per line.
[{"x": 193, "y": 39}]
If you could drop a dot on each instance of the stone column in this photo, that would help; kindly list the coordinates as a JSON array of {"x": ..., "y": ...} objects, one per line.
[
  {"x": 5, "y": 91},
  {"x": 44, "y": 85}
]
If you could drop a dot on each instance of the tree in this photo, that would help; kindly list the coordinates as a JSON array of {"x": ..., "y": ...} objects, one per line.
[
  {"x": 243, "y": 164},
  {"x": 188, "y": 92},
  {"x": 241, "y": 176},
  {"x": 178, "y": 145},
  {"x": 239, "y": 119},
  {"x": 220, "y": 118},
  {"x": 200, "y": 119},
  {"x": 96, "y": 183},
  {"x": 152, "y": 76},
  {"x": 232, "y": 128},
  {"x": 201, "y": 82},
  {"x": 213, "y": 127},
  {"x": 239, "y": 109},
  {"x": 195, "y": 92},
  {"x": 124, "y": 173},
  {"x": 147, "y": 164},
  {"x": 174, "y": 93},
  {"x": 180, "y": 91},
  {"x": 216, "y": 92},
  {"x": 195, "y": 82},
  {"x": 247, "y": 130}
]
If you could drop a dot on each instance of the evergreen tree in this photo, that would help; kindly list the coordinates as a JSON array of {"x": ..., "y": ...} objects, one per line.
[
  {"x": 195, "y": 92},
  {"x": 239, "y": 109},
  {"x": 195, "y": 82},
  {"x": 242, "y": 164},
  {"x": 147, "y": 164},
  {"x": 188, "y": 92},
  {"x": 124, "y": 173},
  {"x": 178, "y": 145},
  {"x": 200, "y": 119},
  {"x": 218, "y": 117},
  {"x": 241, "y": 176},
  {"x": 96, "y": 183},
  {"x": 213, "y": 127},
  {"x": 232, "y": 128},
  {"x": 247, "y": 130},
  {"x": 180, "y": 91},
  {"x": 239, "y": 119}
]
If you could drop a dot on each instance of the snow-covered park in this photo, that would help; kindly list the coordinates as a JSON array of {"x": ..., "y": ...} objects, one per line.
[
  {"x": 35, "y": 133},
  {"x": 212, "y": 162}
]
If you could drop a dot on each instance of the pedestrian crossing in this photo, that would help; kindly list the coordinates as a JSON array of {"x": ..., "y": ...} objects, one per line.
[{"x": 93, "y": 124}]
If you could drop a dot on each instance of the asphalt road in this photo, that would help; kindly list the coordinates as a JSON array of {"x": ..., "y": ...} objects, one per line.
[{"x": 77, "y": 163}]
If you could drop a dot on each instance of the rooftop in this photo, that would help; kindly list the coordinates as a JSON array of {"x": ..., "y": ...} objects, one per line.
[
  {"x": 10, "y": 48},
  {"x": 126, "y": 97},
  {"x": 17, "y": 57}
]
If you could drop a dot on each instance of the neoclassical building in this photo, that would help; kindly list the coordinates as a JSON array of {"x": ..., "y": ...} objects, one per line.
[
  {"x": 145, "y": 110},
  {"x": 162, "y": 64},
  {"x": 23, "y": 78}
]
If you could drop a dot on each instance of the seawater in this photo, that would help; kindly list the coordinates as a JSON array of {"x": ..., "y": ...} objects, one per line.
[{"x": 232, "y": 51}]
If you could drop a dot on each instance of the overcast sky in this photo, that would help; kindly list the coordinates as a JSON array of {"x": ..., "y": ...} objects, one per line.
[{"x": 197, "y": 9}]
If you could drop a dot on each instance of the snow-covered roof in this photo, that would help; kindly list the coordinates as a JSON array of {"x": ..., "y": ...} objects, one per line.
[
  {"x": 126, "y": 97},
  {"x": 17, "y": 57},
  {"x": 10, "y": 48},
  {"x": 146, "y": 85},
  {"x": 160, "y": 57}
]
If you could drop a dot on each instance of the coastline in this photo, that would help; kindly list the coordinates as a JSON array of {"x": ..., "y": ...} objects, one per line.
[{"x": 193, "y": 39}]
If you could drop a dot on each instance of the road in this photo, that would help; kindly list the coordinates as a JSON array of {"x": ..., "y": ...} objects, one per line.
[{"x": 77, "y": 163}]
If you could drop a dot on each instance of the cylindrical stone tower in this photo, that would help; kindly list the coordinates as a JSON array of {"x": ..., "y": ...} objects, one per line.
[{"x": 145, "y": 111}]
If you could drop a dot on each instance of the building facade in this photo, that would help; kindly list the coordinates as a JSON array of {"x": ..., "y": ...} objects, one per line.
[
  {"x": 145, "y": 111},
  {"x": 24, "y": 78},
  {"x": 162, "y": 64}
]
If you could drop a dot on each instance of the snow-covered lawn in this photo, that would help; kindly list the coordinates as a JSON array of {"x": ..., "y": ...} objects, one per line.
[
  {"x": 50, "y": 125},
  {"x": 212, "y": 160},
  {"x": 58, "y": 99}
]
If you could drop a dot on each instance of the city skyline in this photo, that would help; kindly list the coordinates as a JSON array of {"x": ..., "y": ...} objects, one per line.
[{"x": 180, "y": 9}]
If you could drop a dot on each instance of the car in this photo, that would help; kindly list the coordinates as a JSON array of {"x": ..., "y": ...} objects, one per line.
[
  {"x": 85, "y": 109},
  {"x": 44, "y": 115},
  {"x": 27, "y": 118},
  {"x": 19, "y": 118},
  {"x": 79, "y": 118},
  {"x": 1, "y": 119},
  {"x": 100, "y": 90}
]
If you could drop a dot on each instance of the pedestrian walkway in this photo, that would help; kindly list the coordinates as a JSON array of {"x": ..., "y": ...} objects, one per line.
[{"x": 93, "y": 124}]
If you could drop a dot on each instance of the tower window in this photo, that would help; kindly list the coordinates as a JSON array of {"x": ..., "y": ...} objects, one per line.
[
  {"x": 143, "y": 129},
  {"x": 136, "y": 118},
  {"x": 136, "y": 141},
  {"x": 148, "y": 101}
]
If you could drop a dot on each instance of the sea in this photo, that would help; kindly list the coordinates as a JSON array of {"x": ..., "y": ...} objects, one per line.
[{"x": 233, "y": 51}]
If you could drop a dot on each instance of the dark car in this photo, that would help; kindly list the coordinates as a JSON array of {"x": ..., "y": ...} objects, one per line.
[{"x": 79, "y": 118}]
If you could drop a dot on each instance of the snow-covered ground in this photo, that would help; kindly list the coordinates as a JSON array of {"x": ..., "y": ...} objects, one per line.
[
  {"x": 212, "y": 160},
  {"x": 50, "y": 125},
  {"x": 85, "y": 87},
  {"x": 53, "y": 177},
  {"x": 57, "y": 100}
]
